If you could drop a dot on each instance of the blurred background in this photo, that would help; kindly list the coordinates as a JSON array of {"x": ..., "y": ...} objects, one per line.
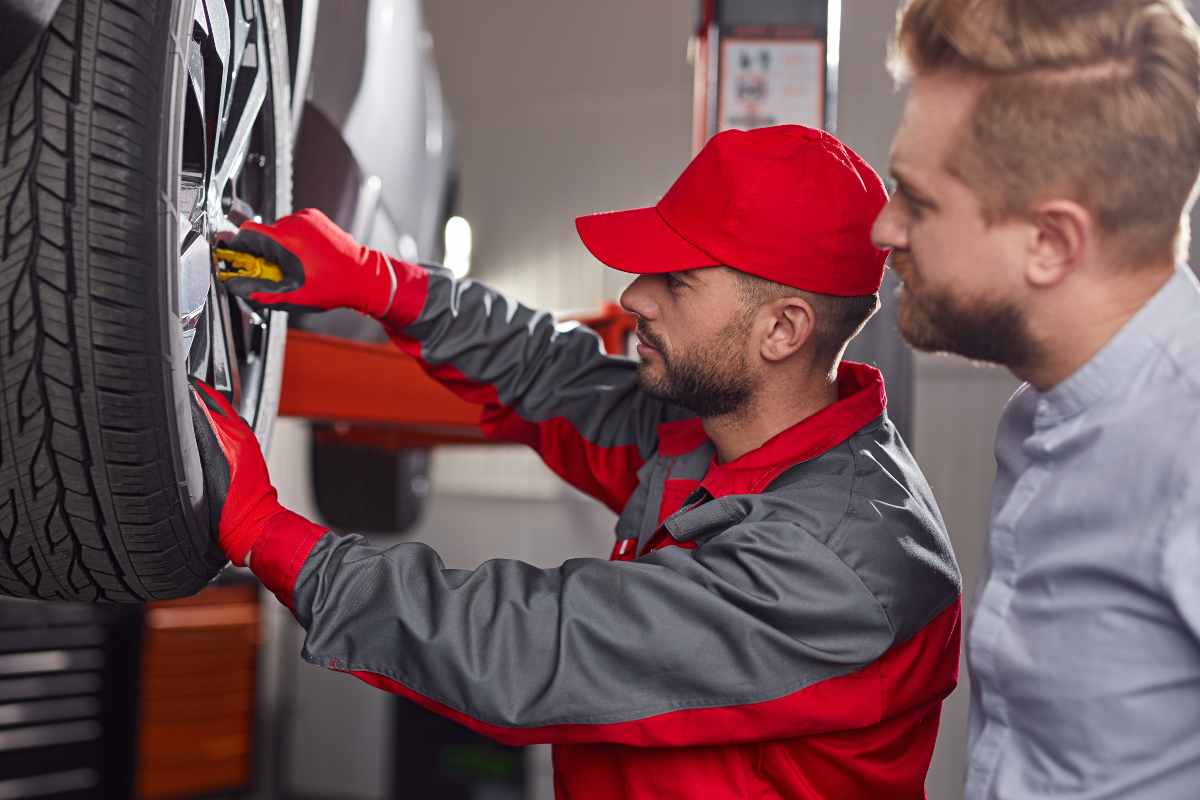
[{"x": 469, "y": 133}]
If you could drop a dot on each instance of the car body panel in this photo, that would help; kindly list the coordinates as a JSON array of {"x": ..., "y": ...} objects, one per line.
[
  {"x": 390, "y": 181},
  {"x": 394, "y": 118}
]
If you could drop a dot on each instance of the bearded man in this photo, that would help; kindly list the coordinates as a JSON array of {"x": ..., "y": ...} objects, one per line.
[
  {"x": 779, "y": 617},
  {"x": 1045, "y": 167}
]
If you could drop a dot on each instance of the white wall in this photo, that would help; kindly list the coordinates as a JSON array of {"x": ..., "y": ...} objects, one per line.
[{"x": 562, "y": 109}]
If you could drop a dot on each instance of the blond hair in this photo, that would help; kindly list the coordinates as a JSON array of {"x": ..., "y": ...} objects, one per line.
[{"x": 1094, "y": 100}]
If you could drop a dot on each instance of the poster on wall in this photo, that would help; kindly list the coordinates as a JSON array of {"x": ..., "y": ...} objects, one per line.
[{"x": 771, "y": 82}]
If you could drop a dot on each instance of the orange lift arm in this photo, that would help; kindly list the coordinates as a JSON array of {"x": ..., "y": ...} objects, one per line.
[{"x": 374, "y": 395}]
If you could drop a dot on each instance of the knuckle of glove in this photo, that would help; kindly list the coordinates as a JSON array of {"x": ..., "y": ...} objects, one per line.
[{"x": 323, "y": 266}]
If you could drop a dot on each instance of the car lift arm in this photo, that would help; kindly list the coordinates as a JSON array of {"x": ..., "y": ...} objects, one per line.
[{"x": 377, "y": 396}]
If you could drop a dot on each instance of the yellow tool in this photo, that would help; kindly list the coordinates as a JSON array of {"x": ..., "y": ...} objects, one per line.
[{"x": 244, "y": 265}]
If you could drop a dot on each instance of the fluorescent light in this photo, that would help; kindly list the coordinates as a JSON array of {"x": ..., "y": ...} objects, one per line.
[{"x": 458, "y": 246}]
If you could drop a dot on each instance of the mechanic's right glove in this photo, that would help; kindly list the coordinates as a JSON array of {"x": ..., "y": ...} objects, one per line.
[
  {"x": 243, "y": 504},
  {"x": 323, "y": 268}
]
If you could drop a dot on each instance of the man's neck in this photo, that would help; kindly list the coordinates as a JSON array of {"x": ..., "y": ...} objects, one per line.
[
  {"x": 767, "y": 415},
  {"x": 1079, "y": 328}
]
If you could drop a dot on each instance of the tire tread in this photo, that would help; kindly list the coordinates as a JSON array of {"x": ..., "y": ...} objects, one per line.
[{"x": 89, "y": 506}]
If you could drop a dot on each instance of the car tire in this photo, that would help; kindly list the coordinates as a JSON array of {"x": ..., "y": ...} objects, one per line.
[{"x": 101, "y": 488}]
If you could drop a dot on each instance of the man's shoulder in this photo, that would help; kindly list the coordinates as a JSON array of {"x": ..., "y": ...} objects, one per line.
[
  {"x": 868, "y": 502},
  {"x": 1159, "y": 412},
  {"x": 871, "y": 469},
  {"x": 1179, "y": 371},
  {"x": 1175, "y": 330}
]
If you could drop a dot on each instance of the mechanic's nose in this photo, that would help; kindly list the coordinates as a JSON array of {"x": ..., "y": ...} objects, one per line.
[{"x": 636, "y": 299}]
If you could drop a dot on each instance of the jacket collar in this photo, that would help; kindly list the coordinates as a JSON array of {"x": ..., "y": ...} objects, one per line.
[{"x": 861, "y": 400}]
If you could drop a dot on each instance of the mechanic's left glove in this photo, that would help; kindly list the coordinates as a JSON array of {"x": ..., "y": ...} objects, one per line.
[{"x": 243, "y": 503}]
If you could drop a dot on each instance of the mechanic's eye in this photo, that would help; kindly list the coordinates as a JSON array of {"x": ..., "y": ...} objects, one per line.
[{"x": 673, "y": 282}]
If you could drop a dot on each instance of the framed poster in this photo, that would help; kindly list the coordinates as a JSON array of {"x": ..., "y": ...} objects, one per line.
[{"x": 771, "y": 82}]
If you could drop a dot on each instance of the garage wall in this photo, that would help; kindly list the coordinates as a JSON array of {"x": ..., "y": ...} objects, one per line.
[{"x": 563, "y": 109}]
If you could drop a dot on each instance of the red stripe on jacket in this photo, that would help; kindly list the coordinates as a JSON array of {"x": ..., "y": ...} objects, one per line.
[
  {"x": 608, "y": 474},
  {"x": 858, "y": 700}
]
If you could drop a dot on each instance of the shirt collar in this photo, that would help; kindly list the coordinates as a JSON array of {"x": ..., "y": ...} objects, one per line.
[
  {"x": 1115, "y": 365},
  {"x": 861, "y": 399}
]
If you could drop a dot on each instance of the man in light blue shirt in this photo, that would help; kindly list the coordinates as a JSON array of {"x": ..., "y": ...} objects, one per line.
[{"x": 1044, "y": 167}]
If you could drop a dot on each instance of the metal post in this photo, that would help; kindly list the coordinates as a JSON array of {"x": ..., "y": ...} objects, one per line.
[{"x": 833, "y": 58}]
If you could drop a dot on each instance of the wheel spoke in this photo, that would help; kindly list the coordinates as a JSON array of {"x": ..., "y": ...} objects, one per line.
[
  {"x": 225, "y": 369},
  {"x": 200, "y": 17},
  {"x": 241, "y": 25},
  {"x": 217, "y": 16},
  {"x": 197, "y": 359},
  {"x": 195, "y": 69},
  {"x": 228, "y": 81},
  {"x": 254, "y": 331},
  {"x": 195, "y": 268},
  {"x": 210, "y": 48},
  {"x": 245, "y": 102},
  {"x": 191, "y": 204},
  {"x": 195, "y": 278}
]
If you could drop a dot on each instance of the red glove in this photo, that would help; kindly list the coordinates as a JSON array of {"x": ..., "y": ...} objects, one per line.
[
  {"x": 243, "y": 502},
  {"x": 324, "y": 268}
]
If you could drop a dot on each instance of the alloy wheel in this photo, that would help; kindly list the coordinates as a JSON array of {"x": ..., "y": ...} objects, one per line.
[{"x": 226, "y": 177}]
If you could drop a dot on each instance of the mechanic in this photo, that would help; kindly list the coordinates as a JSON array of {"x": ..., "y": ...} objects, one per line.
[
  {"x": 780, "y": 615},
  {"x": 1046, "y": 165}
]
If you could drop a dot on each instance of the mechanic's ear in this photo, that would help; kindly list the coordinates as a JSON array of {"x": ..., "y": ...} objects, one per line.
[{"x": 791, "y": 321}]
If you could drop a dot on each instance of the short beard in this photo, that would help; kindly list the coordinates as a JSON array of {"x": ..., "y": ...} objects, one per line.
[
  {"x": 713, "y": 380},
  {"x": 992, "y": 331}
]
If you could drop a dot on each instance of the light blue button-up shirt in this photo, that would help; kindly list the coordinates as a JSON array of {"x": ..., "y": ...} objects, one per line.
[{"x": 1084, "y": 647}]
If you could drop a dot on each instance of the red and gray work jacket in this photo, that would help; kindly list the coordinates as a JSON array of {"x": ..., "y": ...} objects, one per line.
[{"x": 781, "y": 625}]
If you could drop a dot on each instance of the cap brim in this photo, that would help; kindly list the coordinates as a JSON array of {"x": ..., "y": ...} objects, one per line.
[{"x": 639, "y": 241}]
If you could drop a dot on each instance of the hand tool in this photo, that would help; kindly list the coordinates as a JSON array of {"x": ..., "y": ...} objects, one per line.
[{"x": 244, "y": 265}]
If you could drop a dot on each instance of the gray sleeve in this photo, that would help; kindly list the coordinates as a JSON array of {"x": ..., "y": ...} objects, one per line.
[
  {"x": 490, "y": 348},
  {"x": 759, "y": 612}
]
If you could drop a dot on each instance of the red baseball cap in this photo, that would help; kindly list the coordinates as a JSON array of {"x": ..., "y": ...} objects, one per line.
[{"x": 787, "y": 203}]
